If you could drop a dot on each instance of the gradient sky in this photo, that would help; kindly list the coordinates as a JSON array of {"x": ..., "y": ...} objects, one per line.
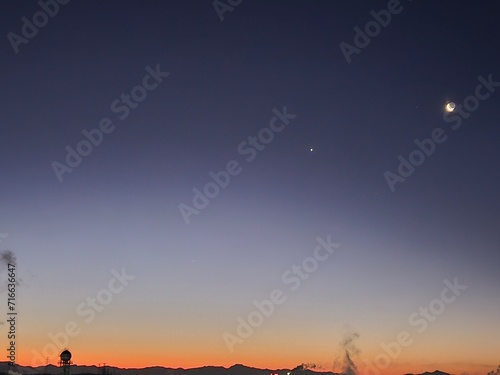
[{"x": 120, "y": 207}]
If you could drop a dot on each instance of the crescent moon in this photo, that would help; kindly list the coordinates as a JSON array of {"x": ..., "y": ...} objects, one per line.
[{"x": 450, "y": 107}]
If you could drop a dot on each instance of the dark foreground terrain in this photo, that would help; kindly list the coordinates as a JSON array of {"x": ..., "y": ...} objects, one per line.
[{"x": 157, "y": 370}]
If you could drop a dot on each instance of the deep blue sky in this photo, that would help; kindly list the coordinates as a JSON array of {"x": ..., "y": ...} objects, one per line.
[{"x": 119, "y": 207}]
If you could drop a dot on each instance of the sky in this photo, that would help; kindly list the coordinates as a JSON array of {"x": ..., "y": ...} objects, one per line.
[{"x": 190, "y": 183}]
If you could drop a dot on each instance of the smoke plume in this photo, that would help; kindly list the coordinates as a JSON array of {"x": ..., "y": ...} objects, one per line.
[
  {"x": 349, "y": 351},
  {"x": 304, "y": 366},
  {"x": 7, "y": 257}
]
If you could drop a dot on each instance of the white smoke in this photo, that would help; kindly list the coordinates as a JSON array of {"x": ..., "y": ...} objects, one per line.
[{"x": 344, "y": 362}]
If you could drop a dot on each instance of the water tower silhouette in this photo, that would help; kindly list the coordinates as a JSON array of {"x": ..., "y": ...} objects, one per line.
[{"x": 65, "y": 361}]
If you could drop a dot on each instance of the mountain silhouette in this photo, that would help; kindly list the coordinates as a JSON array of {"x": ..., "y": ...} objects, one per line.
[
  {"x": 237, "y": 369},
  {"x": 436, "y": 372}
]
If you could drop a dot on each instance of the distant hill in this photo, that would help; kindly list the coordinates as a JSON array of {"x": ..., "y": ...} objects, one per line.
[
  {"x": 158, "y": 370},
  {"x": 437, "y": 372}
]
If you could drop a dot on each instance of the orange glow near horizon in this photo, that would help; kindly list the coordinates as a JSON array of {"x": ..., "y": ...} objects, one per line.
[
  {"x": 122, "y": 359},
  {"x": 276, "y": 348}
]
